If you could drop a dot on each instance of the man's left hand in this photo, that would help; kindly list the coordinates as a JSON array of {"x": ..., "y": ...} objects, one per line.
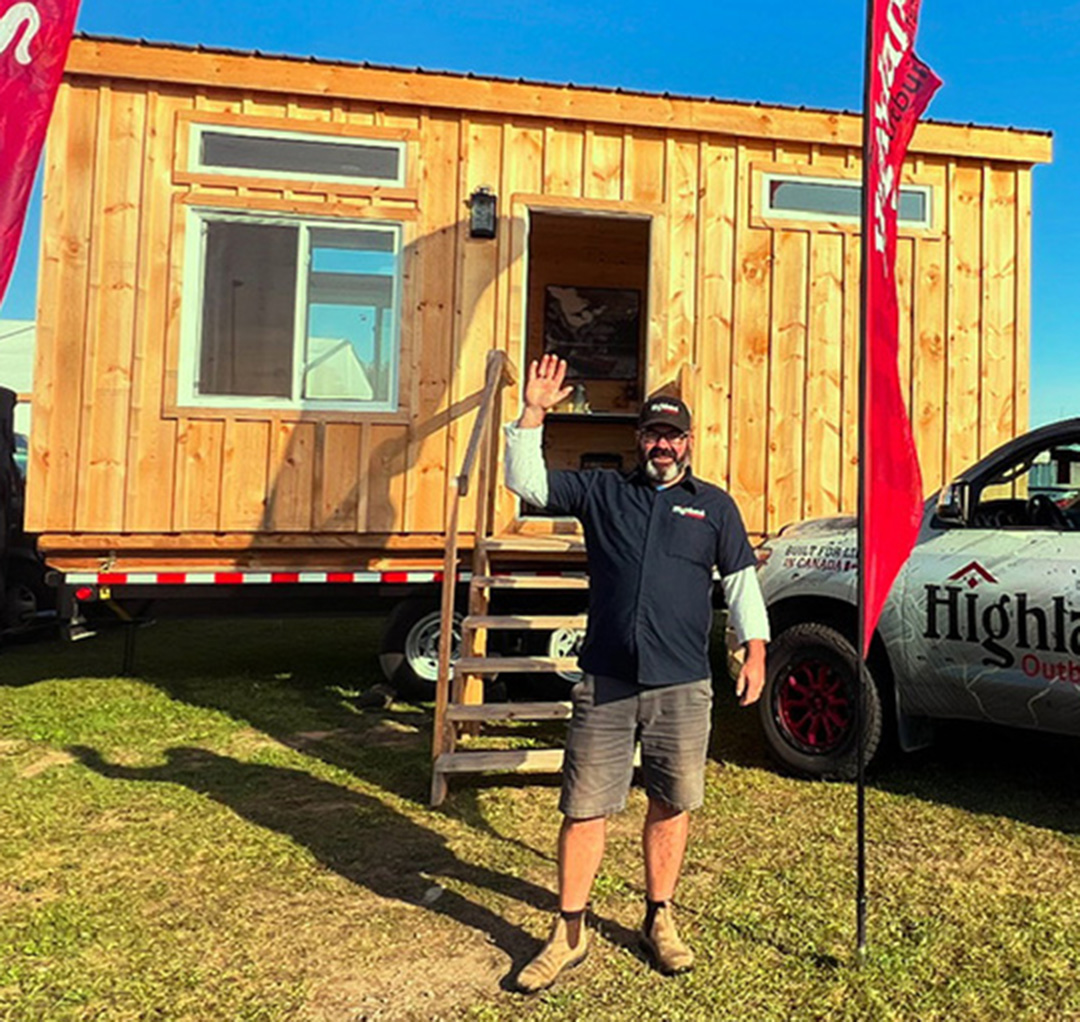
[{"x": 751, "y": 678}]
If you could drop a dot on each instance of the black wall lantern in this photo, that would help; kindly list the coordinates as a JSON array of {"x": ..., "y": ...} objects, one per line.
[{"x": 483, "y": 213}]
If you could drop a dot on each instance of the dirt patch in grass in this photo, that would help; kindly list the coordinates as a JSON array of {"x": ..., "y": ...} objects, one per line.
[
  {"x": 409, "y": 988},
  {"x": 46, "y": 762}
]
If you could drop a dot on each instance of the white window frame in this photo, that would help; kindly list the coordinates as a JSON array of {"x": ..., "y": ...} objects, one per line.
[
  {"x": 192, "y": 313},
  {"x": 769, "y": 177},
  {"x": 200, "y": 129}
]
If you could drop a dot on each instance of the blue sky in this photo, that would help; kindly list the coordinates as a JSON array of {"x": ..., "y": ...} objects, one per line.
[{"x": 1012, "y": 64}]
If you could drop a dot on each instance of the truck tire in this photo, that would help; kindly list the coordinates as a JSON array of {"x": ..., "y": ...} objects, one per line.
[
  {"x": 409, "y": 653},
  {"x": 808, "y": 706}
]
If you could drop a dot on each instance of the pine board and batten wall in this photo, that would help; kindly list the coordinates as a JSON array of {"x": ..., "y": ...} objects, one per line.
[{"x": 756, "y": 319}]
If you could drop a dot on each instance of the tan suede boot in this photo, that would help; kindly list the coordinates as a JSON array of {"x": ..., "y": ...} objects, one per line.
[
  {"x": 554, "y": 958},
  {"x": 669, "y": 954}
]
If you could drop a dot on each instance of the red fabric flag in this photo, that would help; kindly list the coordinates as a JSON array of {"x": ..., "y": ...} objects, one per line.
[
  {"x": 899, "y": 86},
  {"x": 34, "y": 39}
]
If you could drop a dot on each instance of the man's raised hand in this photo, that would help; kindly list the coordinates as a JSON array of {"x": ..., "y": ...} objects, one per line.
[{"x": 544, "y": 389}]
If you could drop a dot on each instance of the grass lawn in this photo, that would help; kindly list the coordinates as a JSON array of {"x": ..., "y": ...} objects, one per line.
[{"x": 229, "y": 835}]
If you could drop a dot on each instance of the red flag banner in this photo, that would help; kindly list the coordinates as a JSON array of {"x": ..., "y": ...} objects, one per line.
[
  {"x": 899, "y": 87},
  {"x": 34, "y": 39}
]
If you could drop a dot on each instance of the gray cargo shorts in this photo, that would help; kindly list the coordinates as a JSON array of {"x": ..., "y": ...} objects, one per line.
[{"x": 672, "y": 723}]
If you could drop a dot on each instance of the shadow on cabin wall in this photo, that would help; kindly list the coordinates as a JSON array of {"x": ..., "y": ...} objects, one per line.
[{"x": 440, "y": 382}]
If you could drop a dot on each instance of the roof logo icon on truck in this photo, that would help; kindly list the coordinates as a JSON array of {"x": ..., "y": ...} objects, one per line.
[{"x": 972, "y": 573}]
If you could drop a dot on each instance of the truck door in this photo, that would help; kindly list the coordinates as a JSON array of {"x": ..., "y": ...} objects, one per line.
[{"x": 991, "y": 603}]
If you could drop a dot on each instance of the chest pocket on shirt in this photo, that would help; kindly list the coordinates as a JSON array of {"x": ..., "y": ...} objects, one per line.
[{"x": 691, "y": 538}]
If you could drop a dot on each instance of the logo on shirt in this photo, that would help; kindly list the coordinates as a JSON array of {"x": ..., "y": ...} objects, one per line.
[{"x": 689, "y": 512}]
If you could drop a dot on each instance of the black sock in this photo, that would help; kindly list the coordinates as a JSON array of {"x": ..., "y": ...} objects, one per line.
[
  {"x": 651, "y": 908},
  {"x": 574, "y": 922}
]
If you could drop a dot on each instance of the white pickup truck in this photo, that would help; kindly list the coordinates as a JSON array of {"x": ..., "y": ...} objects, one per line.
[{"x": 982, "y": 623}]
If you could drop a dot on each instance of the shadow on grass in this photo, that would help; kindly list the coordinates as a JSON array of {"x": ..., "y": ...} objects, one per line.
[{"x": 356, "y": 835}]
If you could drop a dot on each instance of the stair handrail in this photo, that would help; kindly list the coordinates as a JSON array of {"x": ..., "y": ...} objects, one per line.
[{"x": 499, "y": 372}]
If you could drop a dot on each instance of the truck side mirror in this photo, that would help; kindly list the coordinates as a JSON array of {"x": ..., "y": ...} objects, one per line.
[{"x": 950, "y": 505}]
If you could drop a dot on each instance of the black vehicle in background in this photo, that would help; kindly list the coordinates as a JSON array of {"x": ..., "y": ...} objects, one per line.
[{"x": 26, "y": 601}]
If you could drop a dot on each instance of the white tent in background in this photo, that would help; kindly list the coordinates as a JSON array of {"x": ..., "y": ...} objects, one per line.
[{"x": 334, "y": 371}]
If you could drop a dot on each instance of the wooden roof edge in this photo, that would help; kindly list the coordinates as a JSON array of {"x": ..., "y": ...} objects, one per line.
[{"x": 193, "y": 67}]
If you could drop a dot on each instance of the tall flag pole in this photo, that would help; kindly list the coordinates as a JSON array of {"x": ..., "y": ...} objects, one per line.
[
  {"x": 897, "y": 88},
  {"x": 34, "y": 40}
]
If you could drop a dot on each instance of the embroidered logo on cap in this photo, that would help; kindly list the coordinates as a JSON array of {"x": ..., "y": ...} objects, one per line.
[{"x": 664, "y": 406}]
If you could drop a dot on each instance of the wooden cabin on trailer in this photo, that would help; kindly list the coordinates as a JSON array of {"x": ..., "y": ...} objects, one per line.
[{"x": 269, "y": 287}]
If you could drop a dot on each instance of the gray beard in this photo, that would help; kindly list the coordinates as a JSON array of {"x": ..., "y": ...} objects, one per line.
[{"x": 665, "y": 475}]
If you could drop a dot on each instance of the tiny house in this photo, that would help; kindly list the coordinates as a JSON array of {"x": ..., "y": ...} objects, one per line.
[{"x": 269, "y": 285}]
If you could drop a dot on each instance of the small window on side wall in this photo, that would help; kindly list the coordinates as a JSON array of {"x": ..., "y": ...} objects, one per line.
[
  {"x": 218, "y": 149},
  {"x": 292, "y": 313},
  {"x": 798, "y": 197}
]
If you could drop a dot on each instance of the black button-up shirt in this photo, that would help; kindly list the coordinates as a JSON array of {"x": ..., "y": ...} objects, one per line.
[{"x": 651, "y": 556}]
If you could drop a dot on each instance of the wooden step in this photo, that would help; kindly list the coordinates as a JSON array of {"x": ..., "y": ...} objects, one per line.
[
  {"x": 530, "y": 582},
  {"x": 513, "y": 664},
  {"x": 534, "y": 544},
  {"x": 510, "y": 711},
  {"x": 526, "y": 761},
  {"x": 526, "y": 622}
]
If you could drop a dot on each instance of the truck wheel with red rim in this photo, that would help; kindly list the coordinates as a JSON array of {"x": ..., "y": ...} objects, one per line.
[{"x": 808, "y": 708}]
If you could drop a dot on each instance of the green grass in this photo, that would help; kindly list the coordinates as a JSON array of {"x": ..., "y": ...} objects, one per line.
[{"x": 229, "y": 835}]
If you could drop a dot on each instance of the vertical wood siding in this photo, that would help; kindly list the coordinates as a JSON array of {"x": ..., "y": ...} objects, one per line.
[{"x": 757, "y": 321}]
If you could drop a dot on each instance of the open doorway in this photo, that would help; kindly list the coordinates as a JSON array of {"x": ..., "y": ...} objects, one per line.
[{"x": 588, "y": 287}]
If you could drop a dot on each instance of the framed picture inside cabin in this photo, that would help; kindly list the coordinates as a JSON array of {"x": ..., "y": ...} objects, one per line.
[{"x": 596, "y": 329}]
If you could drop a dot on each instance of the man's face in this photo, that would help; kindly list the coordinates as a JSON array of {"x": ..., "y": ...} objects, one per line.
[{"x": 664, "y": 452}]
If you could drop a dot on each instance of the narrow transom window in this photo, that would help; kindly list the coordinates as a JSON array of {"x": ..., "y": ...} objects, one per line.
[
  {"x": 251, "y": 152},
  {"x": 293, "y": 312},
  {"x": 808, "y": 198}
]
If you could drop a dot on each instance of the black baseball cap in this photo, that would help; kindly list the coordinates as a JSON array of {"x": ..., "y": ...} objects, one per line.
[{"x": 665, "y": 411}]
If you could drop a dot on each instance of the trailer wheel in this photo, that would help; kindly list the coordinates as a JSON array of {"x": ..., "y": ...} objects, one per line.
[
  {"x": 808, "y": 706},
  {"x": 25, "y": 596},
  {"x": 409, "y": 655}
]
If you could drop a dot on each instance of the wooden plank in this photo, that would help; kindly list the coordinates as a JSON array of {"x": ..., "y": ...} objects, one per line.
[
  {"x": 426, "y": 381},
  {"x": 244, "y": 482},
  {"x": 564, "y": 148},
  {"x": 111, "y": 313},
  {"x": 787, "y": 375},
  {"x": 526, "y": 622},
  {"x": 535, "y": 544},
  {"x": 511, "y": 711},
  {"x": 293, "y": 456},
  {"x": 849, "y": 429},
  {"x": 111, "y": 58},
  {"x": 965, "y": 308},
  {"x": 199, "y": 448},
  {"x": 643, "y": 166},
  {"x": 513, "y": 664},
  {"x": 677, "y": 349},
  {"x": 384, "y": 479},
  {"x": 152, "y": 449},
  {"x": 338, "y": 493},
  {"x": 928, "y": 385},
  {"x": 61, "y": 315},
  {"x": 750, "y": 353},
  {"x": 824, "y": 358},
  {"x": 475, "y": 329},
  {"x": 531, "y": 581},
  {"x": 526, "y": 761},
  {"x": 603, "y": 162},
  {"x": 1022, "y": 362},
  {"x": 997, "y": 398}
]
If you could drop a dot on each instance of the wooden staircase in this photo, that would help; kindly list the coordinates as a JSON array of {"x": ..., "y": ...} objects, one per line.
[
  {"x": 460, "y": 710},
  {"x": 465, "y": 710}
]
